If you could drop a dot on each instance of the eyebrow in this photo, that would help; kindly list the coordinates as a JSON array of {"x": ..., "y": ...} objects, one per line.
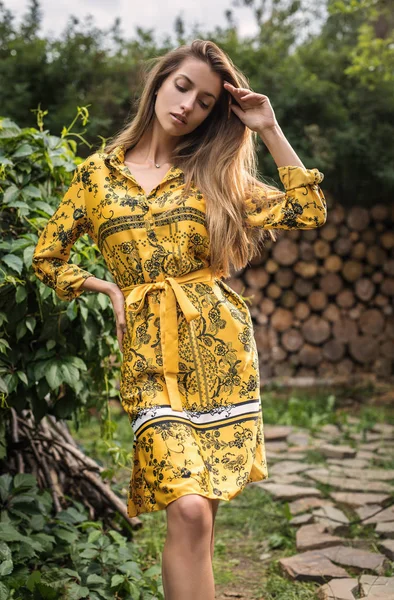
[{"x": 190, "y": 81}]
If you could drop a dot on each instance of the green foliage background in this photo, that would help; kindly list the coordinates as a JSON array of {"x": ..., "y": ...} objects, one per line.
[
  {"x": 55, "y": 356},
  {"x": 326, "y": 65}
]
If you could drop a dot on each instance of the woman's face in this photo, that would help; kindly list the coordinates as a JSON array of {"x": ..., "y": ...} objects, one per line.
[{"x": 189, "y": 92}]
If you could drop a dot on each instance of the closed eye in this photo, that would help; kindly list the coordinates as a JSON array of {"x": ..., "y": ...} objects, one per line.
[{"x": 181, "y": 89}]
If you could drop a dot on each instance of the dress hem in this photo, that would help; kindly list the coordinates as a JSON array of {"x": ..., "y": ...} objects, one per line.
[{"x": 158, "y": 507}]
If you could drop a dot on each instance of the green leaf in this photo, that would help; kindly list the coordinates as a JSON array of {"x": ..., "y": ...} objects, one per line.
[
  {"x": 22, "y": 377},
  {"x": 54, "y": 375},
  {"x": 21, "y": 294},
  {"x": 8, "y": 533},
  {"x": 11, "y": 194},
  {"x": 22, "y": 151},
  {"x": 31, "y": 191},
  {"x": 34, "y": 577},
  {"x": 117, "y": 580},
  {"x": 14, "y": 262},
  {"x": 20, "y": 330},
  {"x": 31, "y": 323}
]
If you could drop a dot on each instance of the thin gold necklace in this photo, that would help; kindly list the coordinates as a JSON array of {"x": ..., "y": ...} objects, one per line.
[{"x": 151, "y": 161}]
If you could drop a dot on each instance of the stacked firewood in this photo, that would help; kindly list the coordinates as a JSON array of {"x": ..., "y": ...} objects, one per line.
[{"x": 322, "y": 299}]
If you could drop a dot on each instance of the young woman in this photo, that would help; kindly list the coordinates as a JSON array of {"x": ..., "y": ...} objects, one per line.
[{"x": 171, "y": 203}]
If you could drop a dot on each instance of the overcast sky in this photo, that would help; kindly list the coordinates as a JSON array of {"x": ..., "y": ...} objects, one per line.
[{"x": 149, "y": 14}]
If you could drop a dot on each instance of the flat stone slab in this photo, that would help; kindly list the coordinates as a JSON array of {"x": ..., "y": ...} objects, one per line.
[
  {"x": 330, "y": 429},
  {"x": 299, "y": 439},
  {"x": 310, "y": 566},
  {"x": 369, "y": 473},
  {"x": 303, "y": 504},
  {"x": 302, "y": 519},
  {"x": 387, "y": 547},
  {"x": 273, "y": 446},
  {"x": 353, "y": 557},
  {"x": 385, "y": 429},
  {"x": 338, "y": 589},
  {"x": 376, "y": 588},
  {"x": 286, "y": 479},
  {"x": 277, "y": 432},
  {"x": 314, "y": 537},
  {"x": 288, "y": 492},
  {"x": 351, "y": 463},
  {"x": 335, "y": 521},
  {"x": 366, "y": 512},
  {"x": 294, "y": 456},
  {"x": 367, "y": 454},
  {"x": 347, "y": 484},
  {"x": 286, "y": 467},
  {"x": 358, "y": 498},
  {"x": 385, "y": 529},
  {"x": 339, "y": 451}
]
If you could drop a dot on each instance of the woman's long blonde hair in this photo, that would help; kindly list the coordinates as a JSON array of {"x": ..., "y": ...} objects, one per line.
[{"x": 219, "y": 156}]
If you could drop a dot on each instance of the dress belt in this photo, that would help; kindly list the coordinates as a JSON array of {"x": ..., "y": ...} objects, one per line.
[{"x": 168, "y": 319}]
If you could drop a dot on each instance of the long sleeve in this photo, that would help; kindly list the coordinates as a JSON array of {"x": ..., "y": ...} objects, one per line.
[
  {"x": 301, "y": 206},
  {"x": 51, "y": 255}
]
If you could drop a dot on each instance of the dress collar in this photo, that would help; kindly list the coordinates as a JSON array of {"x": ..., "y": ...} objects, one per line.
[{"x": 116, "y": 159}]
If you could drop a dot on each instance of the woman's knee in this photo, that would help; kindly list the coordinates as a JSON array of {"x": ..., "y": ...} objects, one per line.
[{"x": 191, "y": 511}]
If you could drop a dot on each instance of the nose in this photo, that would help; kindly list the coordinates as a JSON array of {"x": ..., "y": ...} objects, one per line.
[{"x": 187, "y": 103}]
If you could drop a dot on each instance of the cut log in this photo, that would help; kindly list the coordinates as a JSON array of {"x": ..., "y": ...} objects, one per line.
[
  {"x": 332, "y": 313},
  {"x": 257, "y": 277},
  {"x": 303, "y": 287},
  {"x": 292, "y": 340},
  {"x": 379, "y": 212},
  {"x": 331, "y": 283},
  {"x": 364, "y": 349},
  {"x": 352, "y": 270},
  {"x": 317, "y": 300},
  {"x": 288, "y": 299},
  {"x": 281, "y": 319},
  {"x": 342, "y": 246},
  {"x": 333, "y": 350},
  {"x": 316, "y": 329},
  {"x": 376, "y": 256},
  {"x": 301, "y": 311},
  {"x": 307, "y": 252},
  {"x": 364, "y": 289},
  {"x": 285, "y": 252},
  {"x": 358, "y": 218},
  {"x": 371, "y": 322},
  {"x": 344, "y": 330},
  {"x": 333, "y": 263},
  {"x": 329, "y": 232},
  {"x": 284, "y": 278},
  {"x": 273, "y": 291},
  {"x": 305, "y": 269},
  {"x": 309, "y": 355},
  {"x": 321, "y": 248},
  {"x": 387, "y": 240},
  {"x": 267, "y": 306},
  {"x": 346, "y": 298},
  {"x": 387, "y": 287},
  {"x": 359, "y": 250}
]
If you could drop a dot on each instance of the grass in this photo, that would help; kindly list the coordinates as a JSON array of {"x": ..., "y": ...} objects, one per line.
[{"x": 252, "y": 524}]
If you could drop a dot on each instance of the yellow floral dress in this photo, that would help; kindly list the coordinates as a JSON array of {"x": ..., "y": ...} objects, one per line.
[{"x": 190, "y": 371}]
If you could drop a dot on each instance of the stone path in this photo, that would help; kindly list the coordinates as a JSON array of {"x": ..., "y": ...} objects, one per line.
[{"x": 360, "y": 493}]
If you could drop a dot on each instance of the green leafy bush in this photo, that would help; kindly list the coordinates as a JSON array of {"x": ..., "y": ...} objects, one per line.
[
  {"x": 55, "y": 356},
  {"x": 66, "y": 557}
]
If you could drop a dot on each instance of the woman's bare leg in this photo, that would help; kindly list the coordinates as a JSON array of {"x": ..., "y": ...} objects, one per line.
[
  {"x": 188, "y": 549},
  {"x": 214, "y": 506}
]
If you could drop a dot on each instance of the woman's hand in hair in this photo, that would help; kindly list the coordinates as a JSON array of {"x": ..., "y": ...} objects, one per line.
[{"x": 254, "y": 110}]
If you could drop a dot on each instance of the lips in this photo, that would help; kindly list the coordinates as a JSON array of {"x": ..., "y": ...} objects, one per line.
[{"x": 179, "y": 117}]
